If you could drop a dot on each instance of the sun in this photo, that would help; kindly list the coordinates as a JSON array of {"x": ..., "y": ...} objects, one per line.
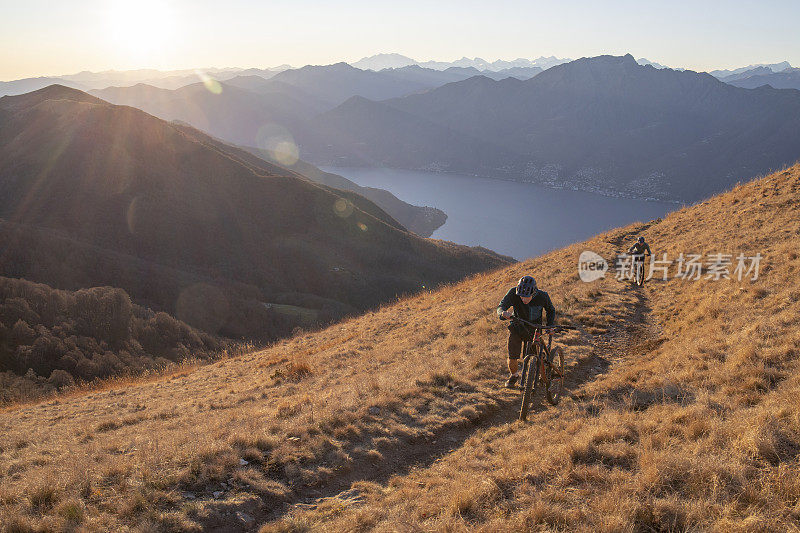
[{"x": 141, "y": 29}]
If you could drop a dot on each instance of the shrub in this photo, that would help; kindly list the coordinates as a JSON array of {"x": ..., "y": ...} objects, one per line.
[
  {"x": 71, "y": 510},
  {"x": 60, "y": 379},
  {"x": 56, "y": 338},
  {"x": 43, "y": 497},
  {"x": 22, "y": 333}
]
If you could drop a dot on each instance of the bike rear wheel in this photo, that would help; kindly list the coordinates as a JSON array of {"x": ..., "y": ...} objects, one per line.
[
  {"x": 554, "y": 375},
  {"x": 529, "y": 384}
]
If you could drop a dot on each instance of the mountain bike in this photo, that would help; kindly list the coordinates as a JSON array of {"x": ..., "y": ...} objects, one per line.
[
  {"x": 638, "y": 269},
  {"x": 541, "y": 363}
]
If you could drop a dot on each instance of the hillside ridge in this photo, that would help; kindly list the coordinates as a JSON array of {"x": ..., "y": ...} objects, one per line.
[{"x": 98, "y": 195}]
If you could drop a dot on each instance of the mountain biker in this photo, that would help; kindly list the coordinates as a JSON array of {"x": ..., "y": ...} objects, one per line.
[
  {"x": 638, "y": 251},
  {"x": 527, "y": 302}
]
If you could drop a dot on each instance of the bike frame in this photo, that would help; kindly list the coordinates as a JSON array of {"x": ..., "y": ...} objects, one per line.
[
  {"x": 638, "y": 263},
  {"x": 528, "y": 353},
  {"x": 537, "y": 358}
]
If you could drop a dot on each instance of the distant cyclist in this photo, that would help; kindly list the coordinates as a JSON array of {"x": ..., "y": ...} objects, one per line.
[
  {"x": 638, "y": 251},
  {"x": 639, "y": 248},
  {"x": 527, "y": 302}
]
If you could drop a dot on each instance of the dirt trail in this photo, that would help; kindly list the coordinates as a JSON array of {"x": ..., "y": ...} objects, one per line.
[
  {"x": 221, "y": 515},
  {"x": 626, "y": 333}
]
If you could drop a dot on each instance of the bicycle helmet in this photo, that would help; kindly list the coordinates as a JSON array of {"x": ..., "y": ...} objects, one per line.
[
  {"x": 641, "y": 240},
  {"x": 526, "y": 286}
]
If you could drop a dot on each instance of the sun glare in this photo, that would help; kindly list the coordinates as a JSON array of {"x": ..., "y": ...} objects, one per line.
[{"x": 141, "y": 29}]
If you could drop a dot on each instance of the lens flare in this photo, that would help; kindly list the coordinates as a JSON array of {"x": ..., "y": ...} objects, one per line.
[
  {"x": 210, "y": 83},
  {"x": 140, "y": 216},
  {"x": 279, "y": 143},
  {"x": 286, "y": 153},
  {"x": 343, "y": 208}
]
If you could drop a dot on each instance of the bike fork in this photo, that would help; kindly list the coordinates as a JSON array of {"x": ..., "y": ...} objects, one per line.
[
  {"x": 527, "y": 353},
  {"x": 525, "y": 365}
]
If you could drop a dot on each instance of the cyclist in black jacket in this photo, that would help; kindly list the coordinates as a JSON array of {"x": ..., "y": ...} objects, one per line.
[
  {"x": 527, "y": 302},
  {"x": 639, "y": 249}
]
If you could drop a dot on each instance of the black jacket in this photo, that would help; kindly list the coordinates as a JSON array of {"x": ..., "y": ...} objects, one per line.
[
  {"x": 531, "y": 312},
  {"x": 639, "y": 249}
]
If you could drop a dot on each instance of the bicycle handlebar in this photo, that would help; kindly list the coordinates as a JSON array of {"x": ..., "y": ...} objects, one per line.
[{"x": 540, "y": 326}]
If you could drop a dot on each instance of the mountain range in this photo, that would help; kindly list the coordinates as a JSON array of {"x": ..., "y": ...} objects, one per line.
[
  {"x": 174, "y": 79},
  {"x": 315, "y": 88},
  {"x": 98, "y": 194},
  {"x": 605, "y": 124},
  {"x": 393, "y": 60},
  {"x": 332, "y": 85},
  {"x": 728, "y": 73},
  {"x": 788, "y": 78},
  {"x": 165, "y": 79},
  {"x": 432, "y": 78}
]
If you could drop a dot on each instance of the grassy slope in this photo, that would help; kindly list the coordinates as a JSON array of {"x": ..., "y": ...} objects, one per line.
[
  {"x": 681, "y": 411},
  {"x": 694, "y": 425}
]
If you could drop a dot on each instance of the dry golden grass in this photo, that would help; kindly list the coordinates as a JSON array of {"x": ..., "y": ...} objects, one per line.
[
  {"x": 167, "y": 371},
  {"x": 681, "y": 411}
]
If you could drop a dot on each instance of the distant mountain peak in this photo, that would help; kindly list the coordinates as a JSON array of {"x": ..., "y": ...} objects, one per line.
[
  {"x": 51, "y": 92},
  {"x": 625, "y": 60},
  {"x": 478, "y": 80},
  {"x": 384, "y": 61},
  {"x": 606, "y": 61},
  {"x": 774, "y": 67},
  {"x": 356, "y": 101},
  {"x": 645, "y": 62},
  {"x": 341, "y": 66},
  {"x": 395, "y": 61}
]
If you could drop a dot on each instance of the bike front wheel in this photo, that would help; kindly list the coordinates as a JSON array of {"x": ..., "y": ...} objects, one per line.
[
  {"x": 529, "y": 384},
  {"x": 554, "y": 386}
]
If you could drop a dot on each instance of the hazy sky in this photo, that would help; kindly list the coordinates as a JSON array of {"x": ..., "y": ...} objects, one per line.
[{"x": 39, "y": 37}]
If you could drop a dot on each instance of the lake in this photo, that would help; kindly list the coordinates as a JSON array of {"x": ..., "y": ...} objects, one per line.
[{"x": 517, "y": 219}]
